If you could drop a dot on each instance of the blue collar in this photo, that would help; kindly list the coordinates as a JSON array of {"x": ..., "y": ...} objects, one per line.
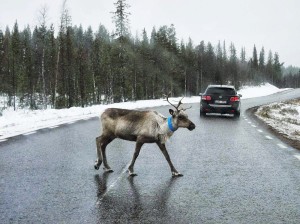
[{"x": 170, "y": 124}]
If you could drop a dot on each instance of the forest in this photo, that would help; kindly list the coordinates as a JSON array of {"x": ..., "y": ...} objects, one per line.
[{"x": 40, "y": 69}]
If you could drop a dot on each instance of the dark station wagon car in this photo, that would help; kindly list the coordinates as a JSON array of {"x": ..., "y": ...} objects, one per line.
[{"x": 221, "y": 99}]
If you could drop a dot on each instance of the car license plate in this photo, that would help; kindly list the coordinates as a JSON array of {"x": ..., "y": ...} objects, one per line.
[{"x": 220, "y": 101}]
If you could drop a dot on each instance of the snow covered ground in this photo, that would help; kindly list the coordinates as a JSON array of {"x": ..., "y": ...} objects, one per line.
[
  {"x": 13, "y": 123},
  {"x": 283, "y": 117},
  {"x": 257, "y": 91}
]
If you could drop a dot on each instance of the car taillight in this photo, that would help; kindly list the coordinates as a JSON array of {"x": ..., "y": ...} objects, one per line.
[
  {"x": 206, "y": 98},
  {"x": 235, "y": 98}
]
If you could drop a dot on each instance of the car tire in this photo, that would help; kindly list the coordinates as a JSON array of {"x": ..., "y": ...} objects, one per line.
[
  {"x": 202, "y": 114},
  {"x": 237, "y": 114}
]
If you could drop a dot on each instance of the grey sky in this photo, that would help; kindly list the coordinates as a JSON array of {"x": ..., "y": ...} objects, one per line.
[{"x": 274, "y": 24}]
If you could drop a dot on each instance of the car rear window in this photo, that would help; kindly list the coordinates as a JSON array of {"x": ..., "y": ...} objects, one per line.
[{"x": 220, "y": 91}]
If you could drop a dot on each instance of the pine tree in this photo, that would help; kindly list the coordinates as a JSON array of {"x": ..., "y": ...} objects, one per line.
[
  {"x": 261, "y": 64},
  {"x": 71, "y": 93},
  {"x": 145, "y": 54},
  {"x": 243, "y": 55},
  {"x": 51, "y": 64},
  {"x": 121, "y": 20},
  {"x": 210, "y": 64},
  {"x": 233, "y": 66},
  {"x": 254, "y": 67},
  {"x": 16, "y": 62},
  {"x": 63, "y": 74},
  {"x": 2, "y": 64},
  {"x": 200, "y": 59},
  {"x": 102, "y": 67},
  {"x": 219, "y": 75},
  {"x": 7, "y": 88},
  {"x": 243, "y": 66},
  {"x": 254, "y": 59},
  {"x": 277, "y": 69},
  {"x": 28, "y": 77},
  {"x": 269, "y": 68},
  {"x": 191, "y": 73},
  {"x": 41, "y": 51}
]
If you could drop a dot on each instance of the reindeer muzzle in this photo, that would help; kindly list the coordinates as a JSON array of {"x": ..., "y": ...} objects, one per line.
[{"x": 192, "y": 126}]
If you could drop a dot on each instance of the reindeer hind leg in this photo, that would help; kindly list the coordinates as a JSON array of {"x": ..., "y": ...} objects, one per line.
[
  {"x": 105, "y": 140},
  {"x": 99, "y": 157}
]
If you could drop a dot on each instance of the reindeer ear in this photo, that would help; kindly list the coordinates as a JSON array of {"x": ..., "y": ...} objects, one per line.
[{"x": 171, "y": 112}]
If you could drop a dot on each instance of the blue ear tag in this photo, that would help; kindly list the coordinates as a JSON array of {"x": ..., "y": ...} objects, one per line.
[{"x": 170, "y": 124}]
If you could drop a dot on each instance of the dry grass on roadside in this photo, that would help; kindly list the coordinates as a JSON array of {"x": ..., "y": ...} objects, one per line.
[{"x": 283, "y": 117}]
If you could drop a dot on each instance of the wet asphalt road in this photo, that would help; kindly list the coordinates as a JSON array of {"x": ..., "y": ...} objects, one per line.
[{"x": 232, "y": 172}]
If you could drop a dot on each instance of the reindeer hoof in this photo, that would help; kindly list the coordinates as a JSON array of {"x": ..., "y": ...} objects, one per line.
[
  {"x": 176, "y": 174},
  {"x": 97, "y": 164},
  {"x": 132, "y": 174},
  {"x": 108, "y": 170}
]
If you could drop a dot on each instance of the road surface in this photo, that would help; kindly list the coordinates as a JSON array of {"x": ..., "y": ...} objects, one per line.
[{"x": 235, "y": 171}]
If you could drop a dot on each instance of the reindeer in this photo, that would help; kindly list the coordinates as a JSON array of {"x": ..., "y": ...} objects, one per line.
[{"x": 141, "y": 127}]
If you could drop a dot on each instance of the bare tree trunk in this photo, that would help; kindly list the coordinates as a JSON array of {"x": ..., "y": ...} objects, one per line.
[
  {"x": 56, "y": 75},
  {"x": 185, "y": 82},
  {"x": 43, "y": 80},
  {"x": 94, "y": 89},
  {"x": 14, "y": 82}
]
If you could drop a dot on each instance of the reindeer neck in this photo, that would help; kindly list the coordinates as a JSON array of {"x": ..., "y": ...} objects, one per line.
[
  {"x": 165, "y": 132},
  {"x": 170, "y": 124}
]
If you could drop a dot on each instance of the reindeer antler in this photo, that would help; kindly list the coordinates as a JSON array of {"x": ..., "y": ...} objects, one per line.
[
  {"x": 179, "y": 103},
  {"x": 184, "y": 109}
]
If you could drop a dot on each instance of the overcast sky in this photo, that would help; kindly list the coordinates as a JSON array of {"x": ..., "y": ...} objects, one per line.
[{"x": 274, "y": 24}]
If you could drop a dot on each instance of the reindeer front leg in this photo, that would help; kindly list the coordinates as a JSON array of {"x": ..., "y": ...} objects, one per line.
[
  {"x": 99, "y": 157},
  {"x": 102, "y": 141},
  {"x": 138, "y": 147},
  {"x": 166, "y": 154}
]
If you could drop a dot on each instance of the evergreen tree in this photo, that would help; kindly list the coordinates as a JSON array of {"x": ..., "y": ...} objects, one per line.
[
  {"x": 145, "y": 64},
  {"x": 233, "y": 66},
  {"x": 16, "y": 62},
  {"x": 6, "y": 66},
  {"x": 200, "y": 62},
  {"x": 277, "y": 69},
  {"x": 28, "y": 85},
  {"x": 254, "y": 67},
  {"x": 121, "y": 20},
  {"x": 269, "y": 68},
  {"x": 262, "y": 60},
  {"x": 243, "y": 55},
  {"x": 254, "y": 59},
  {"x": 51, "y": 64},
  {"x": 2, "y": 64},
  {"x": 209, "y": 64},
  {"x": 220, "y": 65}
]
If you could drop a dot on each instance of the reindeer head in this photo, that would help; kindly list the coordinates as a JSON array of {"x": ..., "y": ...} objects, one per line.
[{"x": 179, "y": 117}]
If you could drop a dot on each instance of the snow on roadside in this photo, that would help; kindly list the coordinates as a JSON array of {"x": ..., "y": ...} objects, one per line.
[
  {"x": 257, "y": 91},
  {"x": 283, "y": 117},
  {"x": 18, "y": 122}
]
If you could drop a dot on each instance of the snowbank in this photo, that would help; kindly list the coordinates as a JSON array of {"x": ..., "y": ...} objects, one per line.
[{"x": 257, "y": 91}]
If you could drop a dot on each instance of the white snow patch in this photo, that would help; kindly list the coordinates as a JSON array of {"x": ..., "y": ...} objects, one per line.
[{"x": 257, "y": 91}]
